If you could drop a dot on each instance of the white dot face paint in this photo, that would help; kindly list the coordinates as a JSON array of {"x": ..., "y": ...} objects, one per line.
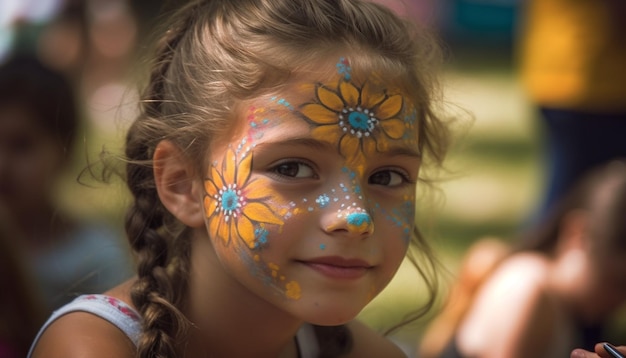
[{"x": 311, "y": 205}]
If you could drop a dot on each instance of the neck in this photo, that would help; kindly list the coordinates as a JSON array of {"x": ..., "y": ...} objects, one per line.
[{"x": 227, "y": 318}]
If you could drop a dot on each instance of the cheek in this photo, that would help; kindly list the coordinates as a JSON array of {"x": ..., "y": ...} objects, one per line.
[
  {"x": 397, "y": 218},
  {"x": 240, "y": 211},
  {"x": 246, "y": 222}
]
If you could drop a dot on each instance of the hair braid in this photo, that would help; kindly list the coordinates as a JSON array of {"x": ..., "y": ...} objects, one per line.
[{"x": 162, "y": 257}]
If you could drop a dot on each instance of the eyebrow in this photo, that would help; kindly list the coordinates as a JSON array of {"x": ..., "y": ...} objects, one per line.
[
  {"x": 298, "y": 142},
  {"x": 319, "y": 145},
  {"x": 403, "y": 151}
]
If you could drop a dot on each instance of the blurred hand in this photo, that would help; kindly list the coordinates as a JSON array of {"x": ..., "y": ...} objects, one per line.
[{"x": 599, "y": 352}]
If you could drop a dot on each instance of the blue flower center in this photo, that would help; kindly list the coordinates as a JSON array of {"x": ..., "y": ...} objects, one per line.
[
  {"x": 359, "y": 121},
  {"x": 229, "y": 200}
]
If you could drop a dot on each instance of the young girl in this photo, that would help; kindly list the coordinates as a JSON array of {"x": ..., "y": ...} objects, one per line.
[
  {"x": 21, "y": 309},
  {"x": 273, "y": 170}
]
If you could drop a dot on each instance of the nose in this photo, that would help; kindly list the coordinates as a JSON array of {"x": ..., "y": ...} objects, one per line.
[{"x": 352, "y": 221}]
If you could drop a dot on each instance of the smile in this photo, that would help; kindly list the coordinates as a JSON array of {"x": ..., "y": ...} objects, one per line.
[{"x": 337, "y": 267}]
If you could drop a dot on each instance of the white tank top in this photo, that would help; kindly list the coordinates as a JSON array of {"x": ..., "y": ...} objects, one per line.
[{"x": 128, "y": 321}]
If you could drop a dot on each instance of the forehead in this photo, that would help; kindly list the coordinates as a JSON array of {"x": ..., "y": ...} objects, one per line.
[{"x": 336, "y": 102}]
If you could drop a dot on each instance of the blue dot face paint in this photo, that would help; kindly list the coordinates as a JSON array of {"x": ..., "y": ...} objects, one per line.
[
  {"x": 359, "y": 219},
  {"x": 322, "y": 200},
  {"x": 344, "y": 68}
]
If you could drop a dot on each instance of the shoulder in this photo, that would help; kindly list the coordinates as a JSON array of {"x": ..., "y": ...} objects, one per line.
[
  {"x": 81, "y": 334},
  {"x": 517, "y": 282},
  {"x": 512, "y": 307},
  {"x": 521, "y": 274},
  {"x": 369, "y": 343}
]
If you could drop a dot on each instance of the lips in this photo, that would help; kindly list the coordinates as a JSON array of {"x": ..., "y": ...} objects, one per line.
[{"x": 337, "y": 267}]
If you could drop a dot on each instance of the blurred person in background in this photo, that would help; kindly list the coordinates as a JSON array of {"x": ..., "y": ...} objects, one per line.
[
  {"x": 92, "y": 42},
  {"x": 573, "y": 66},
  {"x": 21, "y": 309},
  {"x": 477, "y": 263},
  {"x": 540, "y": 298},
  {"x": 21, "y": 22},
  {"x": 38, "y": 122}
]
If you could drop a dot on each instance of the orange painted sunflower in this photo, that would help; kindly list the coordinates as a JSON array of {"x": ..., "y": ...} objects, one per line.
[
  {"x": 235, "y": 206},
  {"x": 362, "y": 120}
]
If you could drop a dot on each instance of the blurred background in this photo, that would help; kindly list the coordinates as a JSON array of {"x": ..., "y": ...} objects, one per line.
[{"x": 494, "y": 177}]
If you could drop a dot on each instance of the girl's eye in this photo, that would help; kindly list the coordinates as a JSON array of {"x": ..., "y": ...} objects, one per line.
[
  {"x": 294, "y": 170},
  {"x": 388, "y": 178}
]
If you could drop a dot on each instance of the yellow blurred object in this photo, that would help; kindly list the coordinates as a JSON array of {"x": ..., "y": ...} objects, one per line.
[{"x": 573, "y": 54}]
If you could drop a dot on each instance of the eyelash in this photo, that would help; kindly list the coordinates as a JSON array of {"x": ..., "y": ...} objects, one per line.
[
  {"x": 406, "y": 179},
  {"x": 275, "y": 169}
]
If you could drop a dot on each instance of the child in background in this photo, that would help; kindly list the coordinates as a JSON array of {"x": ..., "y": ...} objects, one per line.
[
  {"x": 21, "y": 309},
  {"x": 67, "y": 255},
  {"x": 273, "y": 168},
  {"x": 540, "y": 299},
  {"x": 478, "y": 262}
]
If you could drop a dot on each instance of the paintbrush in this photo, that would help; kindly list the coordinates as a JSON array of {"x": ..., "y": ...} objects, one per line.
[{"x": 612, "y": 351}]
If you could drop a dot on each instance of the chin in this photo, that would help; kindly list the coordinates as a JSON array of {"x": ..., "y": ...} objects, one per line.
[
  {"x": 331, "y": 319},
  {"x": 330, "y": 313}
]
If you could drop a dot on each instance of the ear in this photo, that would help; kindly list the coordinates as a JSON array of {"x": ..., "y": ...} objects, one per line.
[{"x": 178, "y": 188}]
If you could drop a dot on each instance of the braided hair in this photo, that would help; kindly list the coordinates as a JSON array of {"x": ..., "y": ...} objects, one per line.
[{"x": 161, "y": 250}]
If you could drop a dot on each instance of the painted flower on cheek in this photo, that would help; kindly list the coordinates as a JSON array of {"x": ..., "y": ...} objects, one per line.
[
  {"x": 362, "y": 120},
  {"x": 237, "y": 207}
]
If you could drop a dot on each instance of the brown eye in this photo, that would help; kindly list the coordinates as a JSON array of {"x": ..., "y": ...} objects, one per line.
[
  {"x": 387, "y": 178},
  {"x": 295, "y": 170}
]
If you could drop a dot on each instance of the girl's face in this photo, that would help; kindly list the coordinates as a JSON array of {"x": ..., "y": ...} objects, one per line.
[{"x": 310, "y": 205}]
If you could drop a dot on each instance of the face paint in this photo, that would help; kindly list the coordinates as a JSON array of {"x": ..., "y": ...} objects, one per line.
[
  {"x": 403, "y": 217},
  {"x": 322, "y": 200},
  {"x": 361, "y": 120},
  {"x": 359, "y": 221},
  {"x": 236, "y": 207},
  {"x": 343, "y": 68},
  {"x": 238, "y": 210}
]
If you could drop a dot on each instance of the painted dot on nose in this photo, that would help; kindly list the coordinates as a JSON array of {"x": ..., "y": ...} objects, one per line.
[{"x": 360, "y": 220}]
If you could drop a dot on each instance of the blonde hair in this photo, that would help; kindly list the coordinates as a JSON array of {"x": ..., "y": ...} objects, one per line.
[{"x": 213, "y": 55}]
